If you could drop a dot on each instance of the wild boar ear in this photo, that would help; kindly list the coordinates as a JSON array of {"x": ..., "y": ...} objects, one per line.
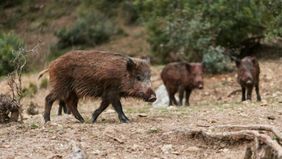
[
  {"x": 146, "y": 59},
  {"x": 188, "y": 67},
  {"x": 130, "y": 65},
  {"x": 237, "y": 61},
  {"x": 254, "y": 60}
]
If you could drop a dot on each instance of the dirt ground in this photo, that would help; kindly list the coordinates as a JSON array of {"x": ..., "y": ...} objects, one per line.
[{"x": 152, "y": 132}]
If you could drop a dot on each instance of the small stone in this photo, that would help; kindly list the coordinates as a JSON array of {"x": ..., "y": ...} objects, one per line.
[
  {"x": 110, "y": 111},
  {"x": 96, "y": 152},
  {"x": 171, "y": 108},
  {"x": 193, "y": 149},
  {"x": 167, "y": 148},
  {"x": 213, "y": 121},
  {"x": 264, "y": 103},
  {"x": 271, "y": 117},
  {"x": 55, "y": 156},
  {"x": 135, "y": 147},
  {"x": 142, "y": 115}
]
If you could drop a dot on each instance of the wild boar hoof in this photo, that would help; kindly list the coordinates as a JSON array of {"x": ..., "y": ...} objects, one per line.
[
  {"x": 46, "y": 117},
  {"x": 124, "y": 120},
  {"x": 81, "y": 120}
]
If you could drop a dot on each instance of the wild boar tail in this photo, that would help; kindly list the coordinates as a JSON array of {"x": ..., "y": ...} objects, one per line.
[{"x": 42, "y": 73}]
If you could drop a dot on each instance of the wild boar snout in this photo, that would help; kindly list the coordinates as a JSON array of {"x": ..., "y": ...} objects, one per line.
[{"x": 150, "y": 96}]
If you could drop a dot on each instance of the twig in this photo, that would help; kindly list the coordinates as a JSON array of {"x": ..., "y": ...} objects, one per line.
[
  {"x": 234, "y": 92},
  {"x": 114, "y": 138}
]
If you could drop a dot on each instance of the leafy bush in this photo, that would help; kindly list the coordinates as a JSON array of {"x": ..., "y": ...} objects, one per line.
[
  {"x": 216, "y": 62},
  {"x": 43, "y": 84},
  {"x": 189, "y": 27},
  {"x": 9, "y": 3},
  {"x": 124, "y": 10},
  {"x": 9, "y": 45},
  {"x": 90, "y": 30},
  {"x": 29, "y": 91}
]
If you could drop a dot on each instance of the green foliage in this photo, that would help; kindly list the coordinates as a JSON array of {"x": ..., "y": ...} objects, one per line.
[
  {"x": 190, "y": 27},
  {"x": 9, "y": 3},
  {"x": 115, "y": 9},
  {"x": 29, "y": 91},
  {"x": 216, "y": 62},
  {"x": 9, "y": 45},
  {"x": 90, "y": 30},
  {"x": 34, "y": 126},
  {"x": 43, "y": 84}
]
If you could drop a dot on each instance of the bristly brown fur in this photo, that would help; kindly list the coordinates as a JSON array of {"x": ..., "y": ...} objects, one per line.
[
  {"x": 182, "y": 77},
  {"x": 248, "y": 76},
  {"x": 97, "y": 74}
]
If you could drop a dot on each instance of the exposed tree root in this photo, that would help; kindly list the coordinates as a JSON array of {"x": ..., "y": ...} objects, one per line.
[
  {"x": 234, "y": 92},
  {"x": 267, "y": 128},
  {"x": 260, "y": 145}
]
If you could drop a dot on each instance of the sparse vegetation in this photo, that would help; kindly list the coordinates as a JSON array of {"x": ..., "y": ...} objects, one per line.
[
  {"x": 89, "y": 30},
  {"x": 9, "y": 45},
  {"x": 191, "y": 27},
  {"x": 29, "y": 91},
  {"x": 215, "y": 61},
  {"x": 43, "y": 83}
]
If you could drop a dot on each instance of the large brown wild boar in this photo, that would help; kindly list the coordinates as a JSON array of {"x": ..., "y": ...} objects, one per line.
[
  {"x": 182, "y": 77},
  {"x": 97, "y": 74},
  {"x": 248, "y": 76}
]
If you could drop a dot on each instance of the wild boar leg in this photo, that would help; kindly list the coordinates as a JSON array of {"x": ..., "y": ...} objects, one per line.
[
  {"x": 71, "y": 102},
  {"x": 188, "y": 93},
  {"x": 243, "y": 93},
  {"x": 49, "y": 100},
  {"x": 63, "y": 107},
  {"x": 104, "y": 104},
  {"x": 181, "y": 95},
  {"x": 171, "y": 93},
  {"x": 249, "y": 92},
  {"x": 257, "y": 91},
  {"x": 118, "y": 108}
]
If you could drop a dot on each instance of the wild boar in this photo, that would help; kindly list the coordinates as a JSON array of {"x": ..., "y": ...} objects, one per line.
[
  {"x": 248, "y": 76},
  {"x": 182, "y": 77},
  {"x": 109, "y": 76}
]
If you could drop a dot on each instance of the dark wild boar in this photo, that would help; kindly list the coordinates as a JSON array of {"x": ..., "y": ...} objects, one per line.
[
  {"x": 248, "y": 76},
  {"x": 97, "y": 74},
  {"x": 182, "y": 77}
]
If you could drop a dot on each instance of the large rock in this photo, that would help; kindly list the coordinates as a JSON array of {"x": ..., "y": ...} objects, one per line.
[{"x": 162, "y": 97}]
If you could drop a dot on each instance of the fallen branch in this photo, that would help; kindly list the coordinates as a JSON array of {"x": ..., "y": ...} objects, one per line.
[
  {"x": 234, "y": 92},
  {"x": 255, "y": 127},
  {"x": 114, "y": 138},
  {"x": 262, "y": 147}
]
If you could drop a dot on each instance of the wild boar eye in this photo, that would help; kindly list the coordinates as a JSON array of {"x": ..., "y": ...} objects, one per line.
[{"x": 139, "y": 78}]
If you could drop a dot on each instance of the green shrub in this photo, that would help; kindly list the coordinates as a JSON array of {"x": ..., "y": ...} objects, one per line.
[
  {"x": 29, "y": 91},
  {"x": 216, "y": 62},
  {"x": 43, "y": 84},
  {"x": 10, "y": 44},
  {"x": 189, "y": 27},
  {"x": 124, "y": 10},
  {"x": 89, "y": 30}
]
